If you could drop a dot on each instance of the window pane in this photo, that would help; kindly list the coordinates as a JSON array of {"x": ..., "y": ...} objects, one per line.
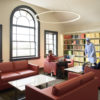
[
  {"x": 14, "y": 30},
  {"x": 23, "y": 21},
  {"x": 14, "y": 20},
  {"x": 23, "y": 13},
  {"x": 50, "y": 36},
  {"x": 47, "y": 47},
  {"x": 32, "y": 23},
  {"x": 14, "y": 53},
  {"x": 31, "y": 37},
  {"x": 47, "y": 51},
  {"x": 23, "y": 45},
  {"x": 32, "y": 51},
  {"x": 50, "y": 41},
  {"x": 17, "y": 14},
  {"x": 22, "y": 37},
  {"x": 23, "y": 52},
  {"x": 21, "y": 30},
  {"x": 32, "y": 45},
  {"x": 14, "y": 45},
  {"x": 29, "y": 17},
  {"x": 14, "y": 37},
  {"x": 47, "y": 35},
  {"x": 31, "y": 31},
  {"x": 51, "y": 47}
]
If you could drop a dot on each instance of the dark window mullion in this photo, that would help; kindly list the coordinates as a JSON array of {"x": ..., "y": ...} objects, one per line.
[{"x": 23, "y": 26}]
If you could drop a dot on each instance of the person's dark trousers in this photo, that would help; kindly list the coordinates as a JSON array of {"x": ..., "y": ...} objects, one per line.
[
  {"x": 83, "y": 66},
  {"x": 96, "y": 66},
  {"x": 59, "y": 72}
]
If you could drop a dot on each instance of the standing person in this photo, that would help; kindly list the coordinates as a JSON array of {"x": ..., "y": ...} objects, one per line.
[{"x": 90, "y": 52}]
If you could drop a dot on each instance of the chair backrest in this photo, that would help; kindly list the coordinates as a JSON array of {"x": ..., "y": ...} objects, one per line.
[
  {"x": 71, "y": 84},
  {"x": 6, "y": 67},
  {"x": 20, "y": 65}
]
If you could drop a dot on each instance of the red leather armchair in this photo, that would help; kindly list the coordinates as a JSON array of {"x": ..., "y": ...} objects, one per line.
[
  {"x": 80, "y": 88},
  {"x": 15, "y": 70},
  {"x": 52, "y": 66}
]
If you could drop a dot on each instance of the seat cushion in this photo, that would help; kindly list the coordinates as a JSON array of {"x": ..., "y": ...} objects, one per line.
[
  {"x": 20, "y": 65},
  {"x": 66, "y": 86},
  {"x": 6, "y": 67},
  {"x": 25, "y": 73},
  {"x": 9, "y": 76}
]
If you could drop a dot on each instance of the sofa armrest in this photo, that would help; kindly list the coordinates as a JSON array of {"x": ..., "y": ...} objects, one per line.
[
  {"x": 0, "y": 74},
  {"x": 32, "y": 92},
  {"x": 34, "y": 67}
]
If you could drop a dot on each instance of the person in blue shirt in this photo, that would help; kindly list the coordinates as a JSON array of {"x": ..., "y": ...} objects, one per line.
[{"x": 90, "y": 52}]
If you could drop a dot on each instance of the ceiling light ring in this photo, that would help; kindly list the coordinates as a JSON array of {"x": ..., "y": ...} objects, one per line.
[{"x": 61, "y": 22}]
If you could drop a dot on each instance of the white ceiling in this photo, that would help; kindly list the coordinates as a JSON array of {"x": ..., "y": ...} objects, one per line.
[{"x": 89, "y": 10}]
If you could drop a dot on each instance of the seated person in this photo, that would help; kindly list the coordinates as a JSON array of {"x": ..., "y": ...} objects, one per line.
[
  {"x": 61, "y": 63},
  {"x": 97, "y": 66},
  {"x": 51, "y": 57}
]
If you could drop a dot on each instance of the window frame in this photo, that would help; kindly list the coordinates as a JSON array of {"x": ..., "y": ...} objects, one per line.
[
  {"x": 11, "y": 34},
  {"x": 55, "y": 33},
  {"x": 1, "y": 43}
]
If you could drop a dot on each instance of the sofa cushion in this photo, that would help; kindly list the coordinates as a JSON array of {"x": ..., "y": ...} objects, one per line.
[
  {"x": 20, "y": 65},
  {"x": 25, "y": 73},
  {"x": 9, "y": 76},
  {"x": 86, "y": 77},
  {"x": 66, "y": 86},
  {"x": 6, "y": 67}
]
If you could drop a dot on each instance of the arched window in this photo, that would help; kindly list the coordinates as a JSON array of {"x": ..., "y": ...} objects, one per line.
[{"x": 25, "y": 35}]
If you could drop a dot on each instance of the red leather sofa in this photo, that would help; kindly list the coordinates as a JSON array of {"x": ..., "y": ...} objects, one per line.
[
  {"x": 51, "y": 66},
  {"x": 15, "y": 70},
  {"x": 86, "y": 70},
  {"x": 80, "y": 88},
  {"x": 96, "y": 71}
]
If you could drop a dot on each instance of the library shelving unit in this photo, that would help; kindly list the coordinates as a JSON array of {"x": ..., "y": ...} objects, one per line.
[{"x": 74, "y": 44}]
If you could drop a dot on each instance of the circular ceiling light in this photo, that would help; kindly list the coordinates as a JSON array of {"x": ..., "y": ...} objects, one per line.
[{"x": 58, "y": 22}]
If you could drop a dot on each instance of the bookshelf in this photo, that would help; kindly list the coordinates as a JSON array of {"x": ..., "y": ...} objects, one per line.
[{"x": 74, "y": 44}]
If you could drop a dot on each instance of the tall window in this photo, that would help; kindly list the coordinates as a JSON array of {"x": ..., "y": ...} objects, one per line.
[
  {"x": 51, "y": 42},
  {"x": 24, "y": 34},
  {"x": 0, "y": 43}
]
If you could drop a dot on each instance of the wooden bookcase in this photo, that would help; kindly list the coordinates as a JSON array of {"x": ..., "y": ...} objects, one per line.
[{"x": 74, "y": 44}]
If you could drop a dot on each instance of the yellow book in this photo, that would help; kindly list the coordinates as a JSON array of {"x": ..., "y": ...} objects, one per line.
[
  {"x": 97, "y": 35},
  {"x": 97, "y": 54},
  {"x": 97, "y": 48},
  {"x": 81, "y": 59},
  {"x": 98, "y": 60},
  {"x": 93, "y": 41},
  {"x": 87, "y": 60},
  {"x": 92, "y": 35},
  {"x": 97, "y": 41},
  {"x": 87, "y": 35}
]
